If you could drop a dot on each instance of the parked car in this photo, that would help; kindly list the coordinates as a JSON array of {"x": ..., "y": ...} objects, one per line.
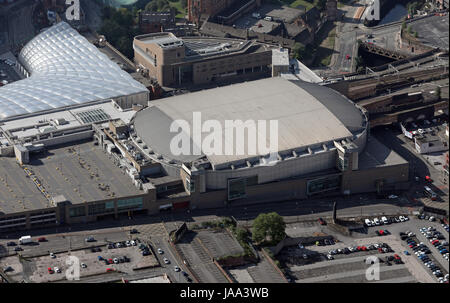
[
  {"x": 18, "y": 248},
  {"x": 42, "y": 239},
  {"x": 83, "y": 265},
  {"x": 166, "y": 261},
  {"x": 90, "y": 239},
  {"x": 176, "y": 268},
  {"x": 322, "y": 222},
  {"x": 134, "y": 231},
  {"x": 11, "y": 244},
  {"x": 52, "y": 255}
]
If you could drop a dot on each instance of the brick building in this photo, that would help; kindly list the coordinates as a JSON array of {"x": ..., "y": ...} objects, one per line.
[
  {"x": 197, "y": 8},
  {"x": 153, "y": 22}
]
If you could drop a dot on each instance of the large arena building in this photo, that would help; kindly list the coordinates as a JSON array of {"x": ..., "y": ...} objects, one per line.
[{"x": 323, "y": 143}]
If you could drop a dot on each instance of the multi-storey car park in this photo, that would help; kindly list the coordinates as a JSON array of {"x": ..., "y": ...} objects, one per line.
[{"x": 86, "y": 159}]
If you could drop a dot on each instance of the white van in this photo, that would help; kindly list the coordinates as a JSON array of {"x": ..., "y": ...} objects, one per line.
[
  {"x": 385, "y": 220},
  {"x": 377, "y": 222},
  {"x": 368, "y": 222}
]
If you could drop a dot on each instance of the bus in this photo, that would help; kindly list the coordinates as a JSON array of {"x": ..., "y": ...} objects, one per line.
[{"x": 430, "y": 193}]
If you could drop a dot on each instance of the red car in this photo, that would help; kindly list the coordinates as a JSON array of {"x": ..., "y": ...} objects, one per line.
[
  {"x": 358, "y": 248},
  {"x": 434, "y": 241},
  {"x": 110, "y": 261},
  {"x": 109, "y": 270},
  {"x": 347, "y": 57},
  {"x": 380, "y": 250},
  {"x": 364, "y": 248},
  {"x": 322, "y": 222},
  {"x": 397, "y": 257},
  {"x": 42, "y": 239},
  {"x": 428, "y": 179},
  {"x": 50, "y": 270}
]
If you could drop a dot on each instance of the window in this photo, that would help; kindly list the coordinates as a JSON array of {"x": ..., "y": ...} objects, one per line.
[
  {"x": 323, "y": 184},
  {"x": 101, "y": 208},
  {"x": 130, "y": 203},
  {"x": 190, "y": 185},
  {"x": 236, "y": 188},
  {"x": 77, "y": 212},
  {"x": 342, "y": 163}
]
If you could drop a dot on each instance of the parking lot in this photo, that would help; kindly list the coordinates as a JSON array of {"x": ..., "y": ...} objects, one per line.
[
  {"x": 344, "y": 260},
  {"x": 93, "y": 266}
]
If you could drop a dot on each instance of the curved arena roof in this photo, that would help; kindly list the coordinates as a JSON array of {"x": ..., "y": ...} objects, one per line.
[
  {"x": 65, "y": 70},
  {"x": 308, "y": 115}
]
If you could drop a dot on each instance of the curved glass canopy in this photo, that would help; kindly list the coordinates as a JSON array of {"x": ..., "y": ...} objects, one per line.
[{"x": 65, "y": 70}]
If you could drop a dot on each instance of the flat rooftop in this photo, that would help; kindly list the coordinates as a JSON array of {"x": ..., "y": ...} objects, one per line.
[
  {"x": 18, "y": 193},
  {"x": 79, "y": 172},
  {"x": 24, "y": 127},
  {"x": 377, "y": 154}
]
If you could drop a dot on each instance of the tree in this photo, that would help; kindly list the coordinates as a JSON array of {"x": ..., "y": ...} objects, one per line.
[
  {"x": 321, "y": 4},
  {"x": 241, "y": 235},
  {"x": 403, "y": 25},
  {"x": 437, "y": 92},
  {"x": 299, "y": 51},
  {"x": 270, "y": 227}
]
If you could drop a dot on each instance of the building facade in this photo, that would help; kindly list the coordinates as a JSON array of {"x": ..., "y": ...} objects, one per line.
[{"x": 175, "y": 62}]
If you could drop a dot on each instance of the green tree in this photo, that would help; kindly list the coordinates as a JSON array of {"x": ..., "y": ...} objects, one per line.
[
  {"x": 299, "y": 51},
  {"x": 321, "y": 4},
  {"x": 241, "y": 235},
  {"x": 269, "y": 226},
  {"x": 437, "y": 92},
  {"x": 403, "y": 25}
]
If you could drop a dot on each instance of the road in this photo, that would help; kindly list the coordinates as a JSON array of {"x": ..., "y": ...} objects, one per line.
[
  {"x": 346, "y": 37},
  {"x": 419, "y": 166}
]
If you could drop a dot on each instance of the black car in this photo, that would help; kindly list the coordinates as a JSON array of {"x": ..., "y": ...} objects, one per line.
[
  {"x": 18, "y": 248},
  {"x": 126, "y": 259},
  {"x": 326, "y": 242},
  {"x": 8, "y": 269},
  {"x": 390, "y": 258},
  {"x": 184, "y": 273},
  {"x": 121, "y": 260},
  {"x": 145, "y": 252},
  {"x": 11, "y": 244},
  {"x": 134, "y": 231}
]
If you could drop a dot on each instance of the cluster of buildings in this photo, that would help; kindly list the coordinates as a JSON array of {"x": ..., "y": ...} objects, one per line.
[{"x": 80, "y": 139}]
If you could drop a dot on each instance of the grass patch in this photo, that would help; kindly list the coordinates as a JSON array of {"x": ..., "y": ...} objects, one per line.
[
  {"x": 325, "y": 49},
  {"x": 306, "y": 4}
]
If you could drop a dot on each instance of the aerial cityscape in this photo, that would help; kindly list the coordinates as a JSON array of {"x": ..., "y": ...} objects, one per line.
[{"x": 224, "y": 141}]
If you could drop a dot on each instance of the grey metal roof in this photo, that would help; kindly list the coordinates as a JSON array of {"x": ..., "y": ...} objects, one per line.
[
  {"x": 65, "y": 70},
  {"x": 307, "y": 115},
  {"x": 341, "y": 107}
]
